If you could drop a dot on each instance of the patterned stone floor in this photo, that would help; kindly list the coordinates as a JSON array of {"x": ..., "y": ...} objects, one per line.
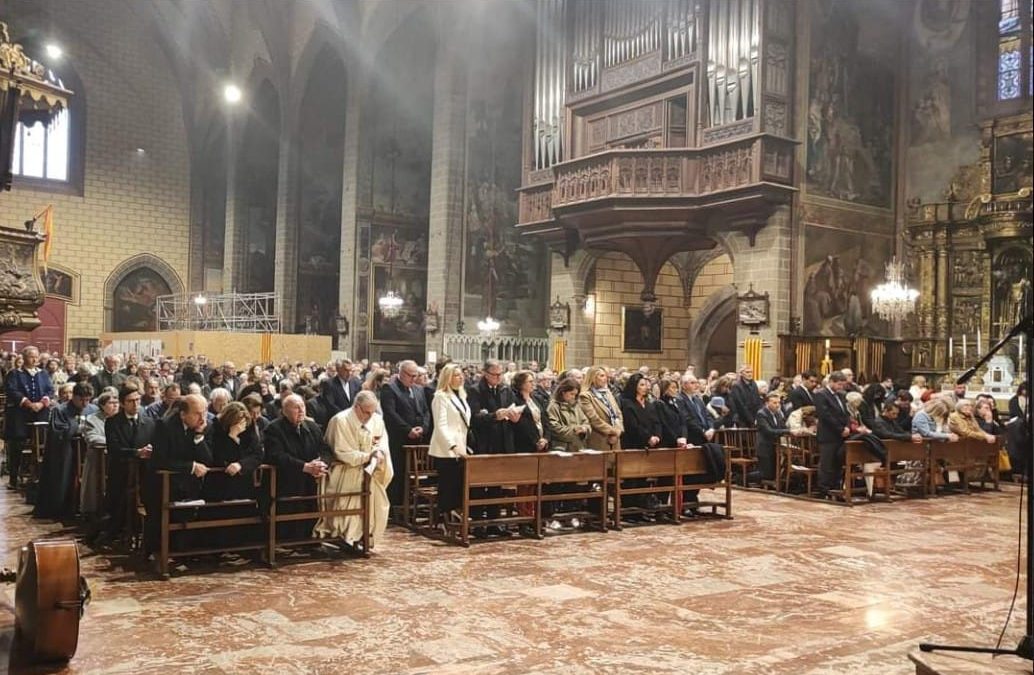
[{"x": 786, "y": 587}]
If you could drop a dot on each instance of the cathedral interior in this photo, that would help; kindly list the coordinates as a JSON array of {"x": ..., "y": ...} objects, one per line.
[{"x": 659, "y": 183}]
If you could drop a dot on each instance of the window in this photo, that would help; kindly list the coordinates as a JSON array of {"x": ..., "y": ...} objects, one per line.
[
  {"x": 42, "y": 151},
  {"x": 1013, "y": 56}
]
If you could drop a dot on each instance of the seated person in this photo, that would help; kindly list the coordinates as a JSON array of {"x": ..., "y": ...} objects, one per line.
[
  {"x": 91, "y": 493},
  {"x": 965, "y": 424},
  {"x": 885, "y": 425},
  {"x": 803, "y": 421}
]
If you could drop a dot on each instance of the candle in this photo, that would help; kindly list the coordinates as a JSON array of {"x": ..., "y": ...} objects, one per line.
[
  {"x": 1019, "y": 358},
  {"x": 980, "y": 349},
  {"x": 827, "y": 344},
  {"x": 951, "y": 351},
  {"x": 963, "y": 346}
]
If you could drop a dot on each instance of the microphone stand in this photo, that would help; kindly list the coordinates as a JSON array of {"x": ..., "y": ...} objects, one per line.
[{"x": 1025, "y": 649}]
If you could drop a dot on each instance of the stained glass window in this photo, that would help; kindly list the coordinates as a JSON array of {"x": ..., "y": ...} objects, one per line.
[{"x": 1010, "y": 51}]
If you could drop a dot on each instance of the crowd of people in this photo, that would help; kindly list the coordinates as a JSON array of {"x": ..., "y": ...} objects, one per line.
[{"x": 322, "y": 425}]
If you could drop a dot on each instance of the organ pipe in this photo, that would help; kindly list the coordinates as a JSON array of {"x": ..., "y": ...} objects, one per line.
[{"x": 732, "y": 59}]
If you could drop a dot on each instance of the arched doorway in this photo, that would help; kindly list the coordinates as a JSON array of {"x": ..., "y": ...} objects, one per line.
[{"x": 721, "y": 348}]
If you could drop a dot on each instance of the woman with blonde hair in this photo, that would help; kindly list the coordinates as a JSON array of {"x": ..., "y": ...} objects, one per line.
[
  {"x": 602, "y": 410},
  {"x": 450, "y": 439},
  {"x": 932, "y": 421}
]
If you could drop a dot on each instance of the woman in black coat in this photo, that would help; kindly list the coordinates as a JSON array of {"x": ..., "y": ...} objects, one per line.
[
  {"x": 642, "y": 428},
  {"x": 235, "y": 449},
  {"x": 673, "y": 424}
]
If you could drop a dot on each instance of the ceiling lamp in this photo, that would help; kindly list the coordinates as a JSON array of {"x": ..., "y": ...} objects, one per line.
[
  {"x": 488, "y": 325},
  {"x": 893, "y": 299}
]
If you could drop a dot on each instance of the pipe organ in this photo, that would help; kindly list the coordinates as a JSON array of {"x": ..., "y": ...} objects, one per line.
[
  {"x": 732, "y": 60},
  {"x": 550, "y": 84}
]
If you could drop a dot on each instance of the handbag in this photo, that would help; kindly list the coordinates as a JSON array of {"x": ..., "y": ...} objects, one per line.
[{"x": 1004, "y": 465}]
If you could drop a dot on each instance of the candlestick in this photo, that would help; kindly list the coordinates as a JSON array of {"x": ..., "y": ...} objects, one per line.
[
  {"x": 1019, "y": 357},
  {"x": 964, "y": 349},
  {"x": 951, "y": 352},
  {"x": 827, "y": 344},
  {"x": 980, "y": 349}
]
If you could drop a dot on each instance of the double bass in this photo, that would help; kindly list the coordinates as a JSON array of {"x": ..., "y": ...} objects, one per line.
[{"x": 50, "y": 597}]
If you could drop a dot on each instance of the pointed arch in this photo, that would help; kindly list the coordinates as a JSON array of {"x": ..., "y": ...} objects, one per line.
[{"x": 130, "y": 266}]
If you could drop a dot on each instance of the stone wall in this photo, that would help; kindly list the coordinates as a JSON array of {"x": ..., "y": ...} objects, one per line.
[
  {"x": 618, "y": 284},
  {"x": 133, "y": 203}
]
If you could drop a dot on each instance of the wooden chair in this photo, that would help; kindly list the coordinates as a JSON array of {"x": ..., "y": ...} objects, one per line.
[
  {"x": 488, "y": 471},
  {"x": 658, "y": 463},
  {"x": 798, "y": 456},
  {"x": 421, "y": 493},
  {"x": 578, "y": 468},
  {"x": 742, "y": 445}
]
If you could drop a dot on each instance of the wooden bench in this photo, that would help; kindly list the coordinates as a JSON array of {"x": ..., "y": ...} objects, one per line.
[
  {"x": 575, "y": 468},
  {"x": 690, "y": 461},
  {"x": 962, "y": 456},
  {"x": 742, "y": 445},
  {"x": 420, "y": 497},
  {"x": 488, "y": 471},
  {"x": 659, "y": 463}
]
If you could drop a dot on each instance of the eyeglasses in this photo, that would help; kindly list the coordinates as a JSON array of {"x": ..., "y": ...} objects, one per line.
[{"x": 494, "y": 374}]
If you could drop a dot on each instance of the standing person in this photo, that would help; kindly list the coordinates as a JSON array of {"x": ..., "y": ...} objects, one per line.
[
  {"x": 129, "y": 434},
  {"x": 358, "y": 439},
  {"x": 834, "y": 427},
  {"x": 344, "y": 386},
  {"x": 771, "y": 425},
  {"x": 492, "y": 409},
  {"x": 407, "y": 418},
  {"x": 699, "y": 422},
  {"x": 745, "y": 399},
  {"x": 1017, "y": 432},
  {"x": 57, "y": 472},
  {"x": 29, "y": 391},
  {"x": 296, "y": 447},
  {"x": 642, "y": 429},
  {"x": 570, "y": 425},
  {"x": 450, "y": 440},
  {"x": 801, "y": 394},
  {"x": 669, "y": 414},
  {"x": 602, "y": 410},
  {"x": 528, "y": 434}
]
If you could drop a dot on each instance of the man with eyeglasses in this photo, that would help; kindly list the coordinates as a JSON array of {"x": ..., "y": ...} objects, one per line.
[
  {"x": 492, "y": 420},
  {"x": 407, "y": 418}
]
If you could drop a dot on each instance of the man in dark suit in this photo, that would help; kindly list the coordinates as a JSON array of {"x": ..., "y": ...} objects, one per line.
[
  {"x": 694, "y": 411},
  {"x": 129, "y": 435},
  {"x": 320, "y": 408},
  {"x": 771, "y": 425},
  {"x": 801, "y": 395},
  {"x": 296, "y": 447},
  {"x": 834, "y": 426},
  {"x": 179, "y": 445},
  {"x": 407, "y": 420},
  {"x": 491, "y": 424},
  {"x": 885, "y": 425},
  {"x": 344, "y": 386},
  {"x": 745, "y": 398},
  {"x": 108, "y": 376}
]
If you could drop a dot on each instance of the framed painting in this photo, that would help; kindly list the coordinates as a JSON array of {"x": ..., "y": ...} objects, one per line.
[
  {"x": 641, "y": 332},
  {"x": 407, "y": 325}
]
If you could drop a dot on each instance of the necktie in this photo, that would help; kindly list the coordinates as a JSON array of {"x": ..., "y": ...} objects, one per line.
[{"x": 344, "y": 386}]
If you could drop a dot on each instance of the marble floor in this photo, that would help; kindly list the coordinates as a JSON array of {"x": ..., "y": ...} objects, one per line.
[{"x": 788, "y": 586}]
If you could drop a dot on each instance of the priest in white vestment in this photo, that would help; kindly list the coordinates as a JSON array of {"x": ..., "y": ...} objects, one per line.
[{"x": 358, "y": 440}]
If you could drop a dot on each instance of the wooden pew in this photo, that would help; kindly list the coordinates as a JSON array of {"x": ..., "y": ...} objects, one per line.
[
  {"x": 918, "y": 457},
  {"x": 659, "y": 463},
  {"x": 857, "y": 454},
  {"x": 321, "y": 508},
  {"x": 168, "y": 507},
  {"x": 421, "y": 491},
  {"x": 486, "y": 471},
  {"x": 690, "y": 461},
  {"x": 967, "y": 456},
  {"x": 579, "y": 468},
  {"x": 797, "y": 455}
]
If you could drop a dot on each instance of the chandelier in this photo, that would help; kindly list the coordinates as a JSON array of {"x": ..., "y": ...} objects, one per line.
[
  {"x": 488, "y": 325},
  {"x": 893, "y": 299},
  {"x": 390, "y": 304}
]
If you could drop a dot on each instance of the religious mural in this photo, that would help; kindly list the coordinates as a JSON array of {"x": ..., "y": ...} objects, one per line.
[
  {"x": 1012, "y": 166},
  {"x": 505, "y": 274},
  {"x": 135, "y": 301},
  {"x": 942, "y": 134},
  {"x": 410, "y": 284},
  {"x": 841, "y": 270},
  {"x": 851, "y": 104}
]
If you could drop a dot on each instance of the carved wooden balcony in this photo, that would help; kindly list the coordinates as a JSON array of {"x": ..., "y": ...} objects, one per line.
[{"x": 624, "y": 193}]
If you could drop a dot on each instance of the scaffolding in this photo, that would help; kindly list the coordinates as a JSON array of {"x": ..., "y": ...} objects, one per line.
[{"x": 233, "y": 312}]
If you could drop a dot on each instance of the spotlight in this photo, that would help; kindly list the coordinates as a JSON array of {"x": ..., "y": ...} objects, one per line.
[
  {"x": 54, "y": 51},
  {"x": 232, "y": 93},
  {"x": 141, "y": 152}
]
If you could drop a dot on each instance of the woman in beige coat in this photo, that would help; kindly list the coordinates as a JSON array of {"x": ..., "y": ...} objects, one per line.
[
  {"x": 602, "y": 411},
  {"x": 566, "y": 420}
]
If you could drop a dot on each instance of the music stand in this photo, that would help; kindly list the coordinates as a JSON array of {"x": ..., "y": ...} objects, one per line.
[{"x": 1025, "y": 649}]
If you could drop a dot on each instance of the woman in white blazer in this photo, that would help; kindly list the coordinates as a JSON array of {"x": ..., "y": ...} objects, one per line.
[{"x": 449, "y": 439}]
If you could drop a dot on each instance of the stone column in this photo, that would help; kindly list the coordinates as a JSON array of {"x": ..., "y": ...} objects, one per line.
[
  {"x": 235, "y": 242},
  {"x": 448, "y": 168},
  {"x": 285, "y": 256},
  {"x": 568, "y": 282},
  {"x": 350, "y": 204},
  {"x": 941, "y": 310},
  {"x": 766, "y": 264}
]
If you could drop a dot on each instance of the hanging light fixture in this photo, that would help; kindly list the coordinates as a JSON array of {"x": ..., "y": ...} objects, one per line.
[
  {"x": 488, "y": 325},
  {"x": 893, "y": 299},
  {"x": 390, "y": 304}
]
